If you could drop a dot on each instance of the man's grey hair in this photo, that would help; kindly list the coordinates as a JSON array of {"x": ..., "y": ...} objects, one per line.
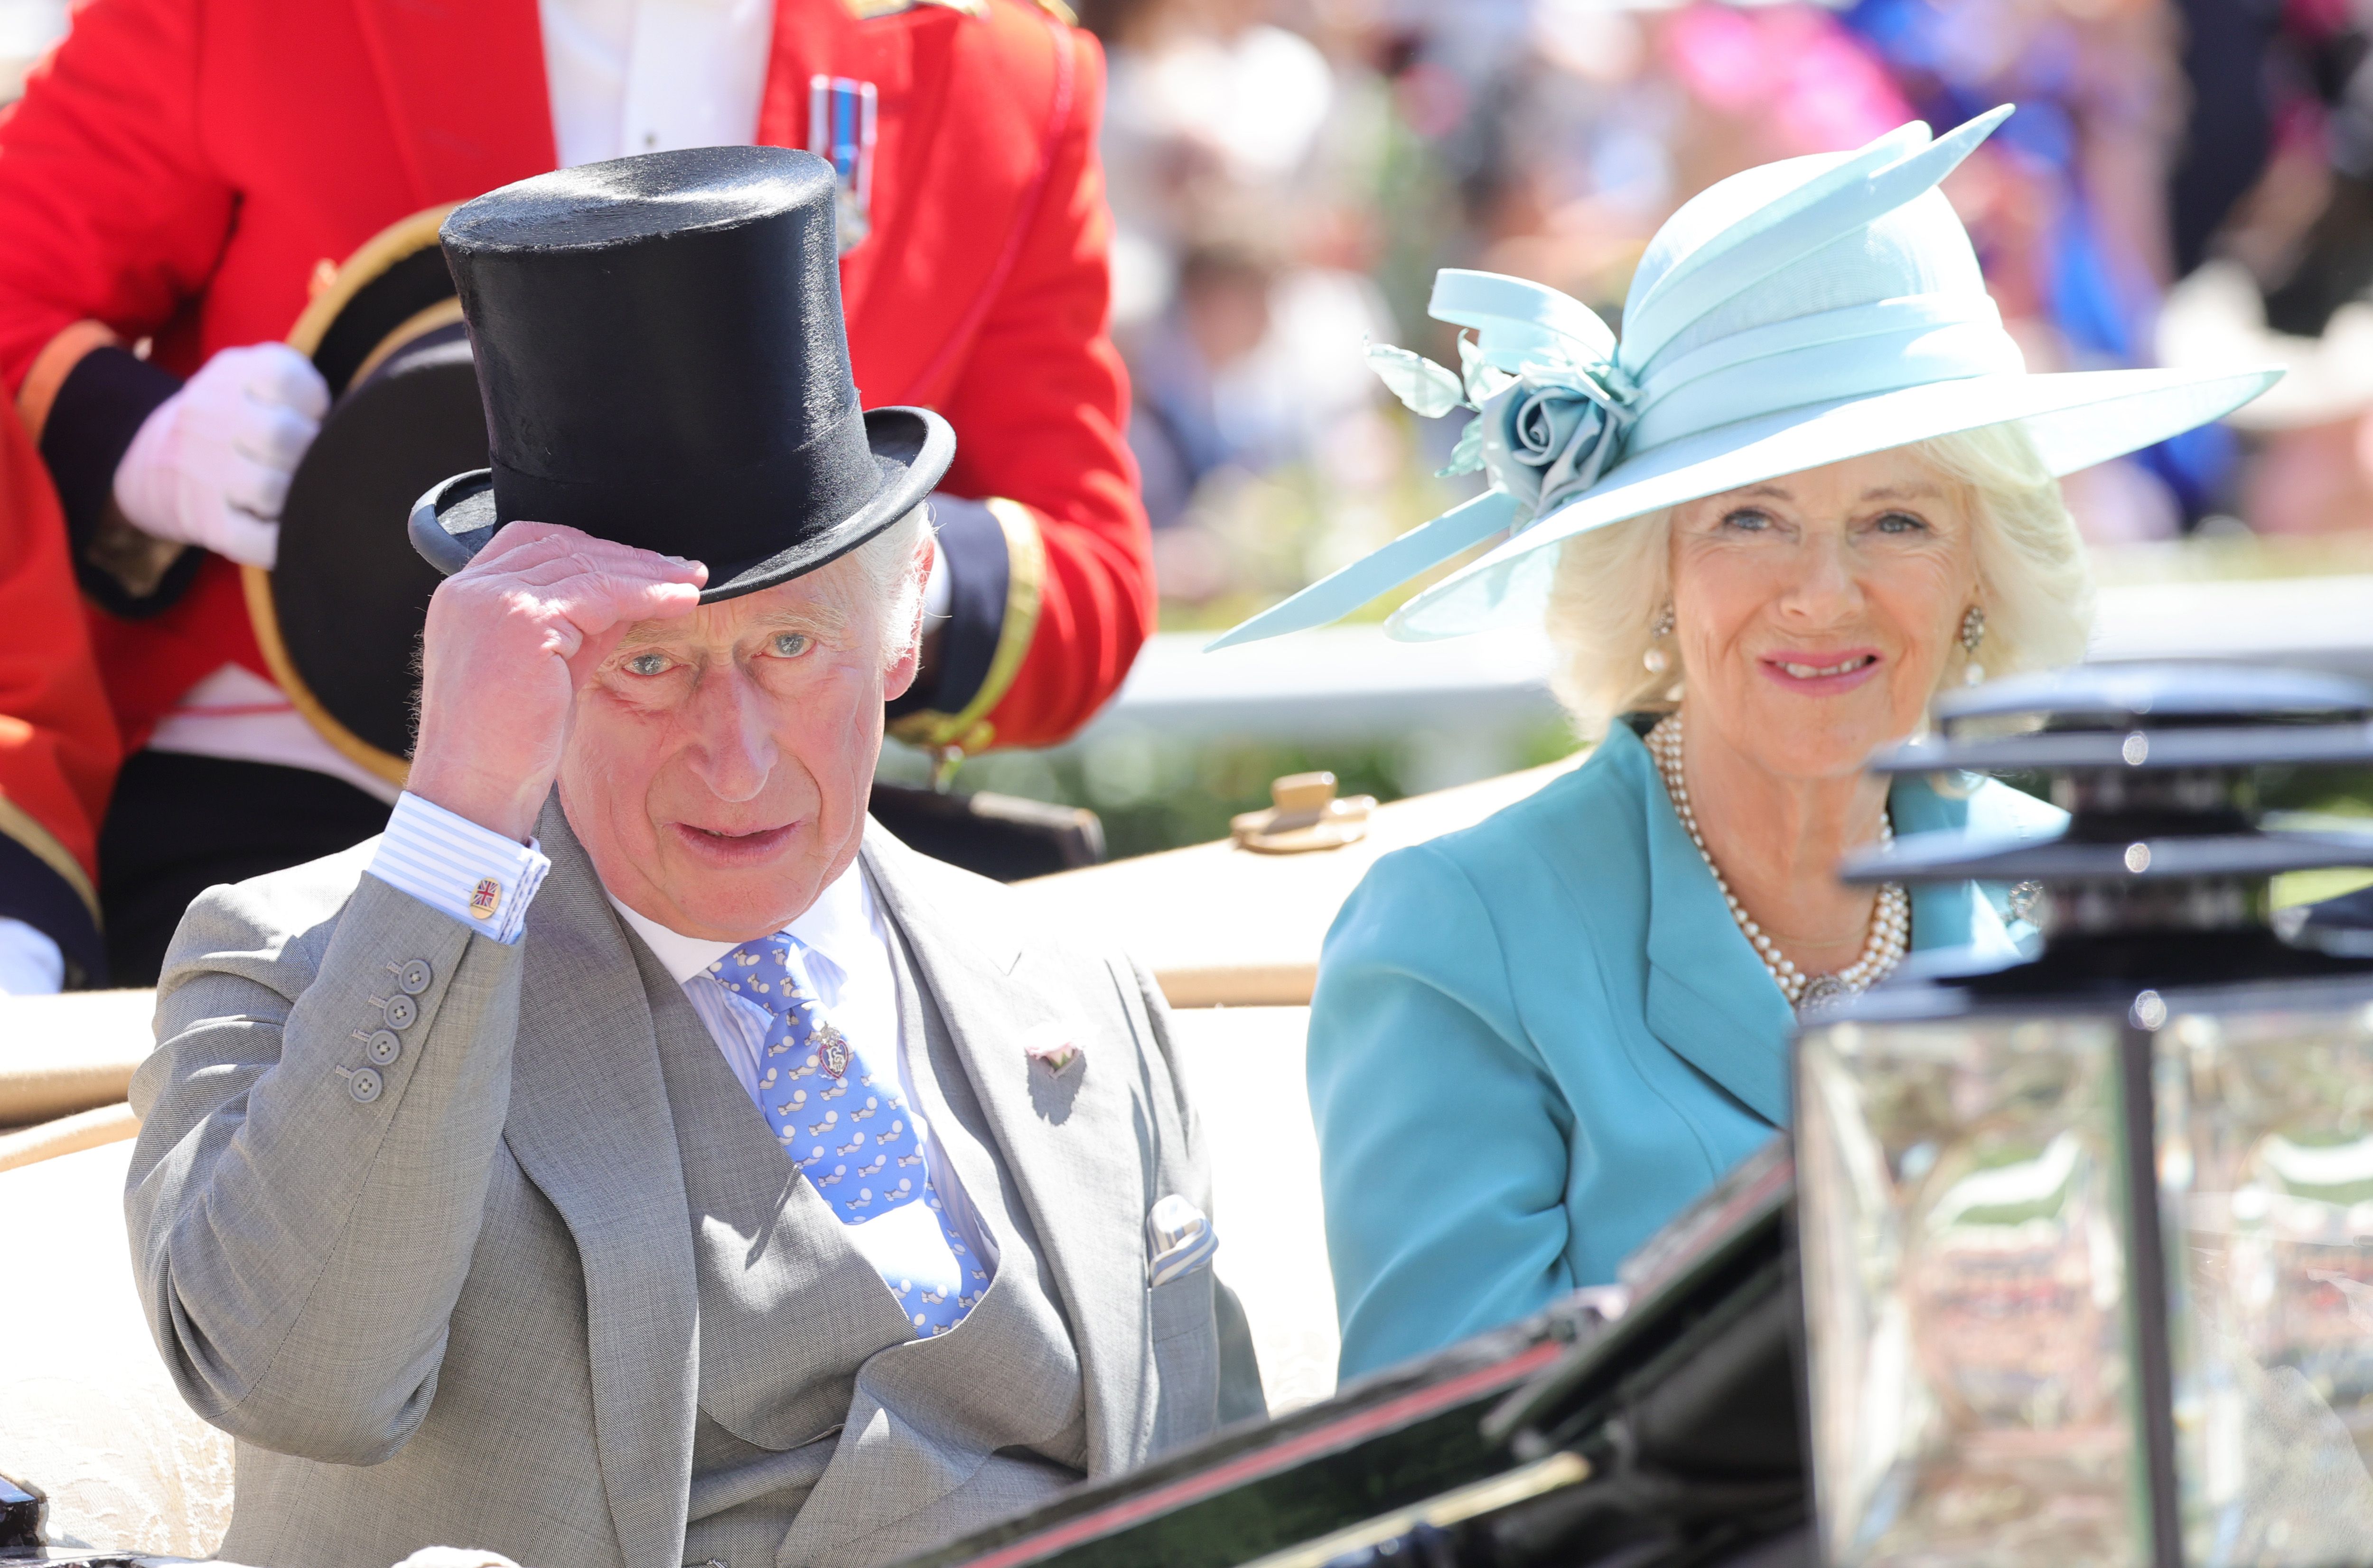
[{"x": 889, "y": 567}]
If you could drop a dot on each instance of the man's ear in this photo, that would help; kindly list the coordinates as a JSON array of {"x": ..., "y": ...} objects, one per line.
[{"x": 900, "y": 675}]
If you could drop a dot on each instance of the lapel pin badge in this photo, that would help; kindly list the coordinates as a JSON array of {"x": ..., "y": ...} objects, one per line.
[
  {"x": 832, "y": 1051},
  {"x": 1053, "y": 1050}
]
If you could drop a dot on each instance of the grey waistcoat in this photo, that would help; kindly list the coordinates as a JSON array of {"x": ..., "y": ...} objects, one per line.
[{"x": 809, "y": 1377}]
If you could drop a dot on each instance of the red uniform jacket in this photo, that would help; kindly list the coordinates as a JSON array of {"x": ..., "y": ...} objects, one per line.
[
  {"x": 58, "y": 747},
  {"x": 179, "y": 169}
]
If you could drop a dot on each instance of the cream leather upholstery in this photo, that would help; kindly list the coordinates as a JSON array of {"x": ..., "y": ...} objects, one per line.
[{"x": 86, "y": 1412}]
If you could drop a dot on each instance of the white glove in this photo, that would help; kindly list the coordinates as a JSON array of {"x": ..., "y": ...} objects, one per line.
[
  {"x": 211, "y": 465},
  {"x": 30, "y": 963}
]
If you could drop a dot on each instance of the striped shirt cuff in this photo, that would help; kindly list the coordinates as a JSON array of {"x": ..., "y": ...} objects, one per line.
[{"x": 457, "y": 868}]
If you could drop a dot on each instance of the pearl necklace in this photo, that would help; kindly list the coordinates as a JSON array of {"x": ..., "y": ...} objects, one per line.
[{"x": 1890, "y": 923}]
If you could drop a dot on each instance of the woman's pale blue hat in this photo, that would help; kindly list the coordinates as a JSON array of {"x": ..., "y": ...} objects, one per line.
[{"x": 1791, "y": 316}]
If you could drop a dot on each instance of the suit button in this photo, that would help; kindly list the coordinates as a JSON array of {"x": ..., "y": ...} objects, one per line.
[
  {"x": 383, "y": 1046},
  {"x": 363, "y": 1084},
  {"x": 414, "y": 978},
  {"x": 402, "y": 1013}
]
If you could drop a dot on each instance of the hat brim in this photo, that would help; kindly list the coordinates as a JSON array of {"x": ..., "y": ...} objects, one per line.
[
  {"x": 2216, "y": 316},
  {"x": 2075, "y": 418},
  {"x": 912, "y": 448}
]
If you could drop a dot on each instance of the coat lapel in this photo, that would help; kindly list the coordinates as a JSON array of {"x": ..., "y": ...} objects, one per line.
[
  {"x": 591, "y": 1127},
  {"x": 467, "y": 116},
  {"x": 1710, "y": 999},
  {"x": 1079, "y": 1150}
]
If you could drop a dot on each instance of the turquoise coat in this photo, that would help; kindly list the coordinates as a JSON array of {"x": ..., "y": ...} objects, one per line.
[{"x": 1534, "y": 1041}]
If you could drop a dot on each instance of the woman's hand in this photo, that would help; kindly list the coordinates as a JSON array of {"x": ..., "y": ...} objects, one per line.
[{"x": 510, "y": 639}]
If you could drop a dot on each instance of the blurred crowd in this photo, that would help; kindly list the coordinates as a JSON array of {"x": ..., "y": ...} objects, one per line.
[{"x": 2185, "y": 180}]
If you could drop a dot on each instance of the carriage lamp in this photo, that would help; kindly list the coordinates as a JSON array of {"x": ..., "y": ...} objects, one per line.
[{"x": 2087, "y": 1234}]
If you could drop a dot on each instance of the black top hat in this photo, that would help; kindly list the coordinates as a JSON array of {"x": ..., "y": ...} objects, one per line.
[{"x": 659, "y": 346}]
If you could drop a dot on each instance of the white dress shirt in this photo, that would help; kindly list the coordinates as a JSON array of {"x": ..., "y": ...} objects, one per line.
[
  {"x": 654, "y": 76},
  {"x": 841, "y": 956}
]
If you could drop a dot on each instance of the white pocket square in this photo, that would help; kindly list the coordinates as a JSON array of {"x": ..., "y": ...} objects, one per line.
[{"x": 1179, "y": 1238}]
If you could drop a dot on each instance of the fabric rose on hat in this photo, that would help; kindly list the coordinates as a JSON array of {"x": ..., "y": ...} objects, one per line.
[{"x": 1544, "y": 430}]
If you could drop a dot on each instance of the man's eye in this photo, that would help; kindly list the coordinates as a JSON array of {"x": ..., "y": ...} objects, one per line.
[
  {"x": 791, "y": 645},
  {"x": 647, "y": 664}
]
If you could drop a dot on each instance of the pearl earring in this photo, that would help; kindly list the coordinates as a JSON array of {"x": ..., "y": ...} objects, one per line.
[
  {"x": 1656, "y": 659},
  {"x": 1973, "y": 632}
]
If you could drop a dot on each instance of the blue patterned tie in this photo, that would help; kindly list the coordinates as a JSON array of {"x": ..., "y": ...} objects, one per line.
[{"x": 843, "y": 1123}]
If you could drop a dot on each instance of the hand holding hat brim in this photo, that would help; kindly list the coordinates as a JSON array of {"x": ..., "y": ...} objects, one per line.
[{"x": 510, "y": 642}]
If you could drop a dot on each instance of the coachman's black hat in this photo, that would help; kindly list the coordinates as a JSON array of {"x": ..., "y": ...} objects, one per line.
[
  {"x": 338, "y": 617},
  {"x": 660, "y": 346}
]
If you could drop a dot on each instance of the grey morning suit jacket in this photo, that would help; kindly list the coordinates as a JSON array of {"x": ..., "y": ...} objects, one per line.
[{"x": 467, "y": 1312}]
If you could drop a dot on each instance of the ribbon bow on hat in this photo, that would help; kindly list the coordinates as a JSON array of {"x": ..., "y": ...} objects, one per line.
[
  {"x": 1552, "y": 402},
  {"x": 1791, "y": 316}
]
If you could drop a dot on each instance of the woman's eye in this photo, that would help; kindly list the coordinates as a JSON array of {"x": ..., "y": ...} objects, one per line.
[
  {"x": 647, "y": 664},
  {"x": 1902, "y": 522},
  {"x": 791, "y": 645},
  {"x": 1747, "y": 521}
]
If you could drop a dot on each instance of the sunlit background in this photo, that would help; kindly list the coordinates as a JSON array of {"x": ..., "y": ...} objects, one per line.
[{"x": 2181, "y": 181}]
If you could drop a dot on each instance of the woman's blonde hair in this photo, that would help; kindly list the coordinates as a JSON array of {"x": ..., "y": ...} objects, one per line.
[{"x": 2033, "y": 583}]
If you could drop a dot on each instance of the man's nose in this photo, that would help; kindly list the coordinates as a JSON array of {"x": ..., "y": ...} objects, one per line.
[{"x": 734, "y": 748}]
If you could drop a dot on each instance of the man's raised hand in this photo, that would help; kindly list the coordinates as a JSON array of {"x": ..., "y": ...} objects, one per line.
[{"x": 510, "y": 638}]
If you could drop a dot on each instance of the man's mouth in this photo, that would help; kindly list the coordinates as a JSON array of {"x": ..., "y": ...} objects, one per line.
[{"x": 732, "y": 846}]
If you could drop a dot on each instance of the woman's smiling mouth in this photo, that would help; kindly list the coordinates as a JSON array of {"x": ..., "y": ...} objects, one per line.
[
  {"x": 1820, "y": 673},
  {"x": 1844, "y": 666}
]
